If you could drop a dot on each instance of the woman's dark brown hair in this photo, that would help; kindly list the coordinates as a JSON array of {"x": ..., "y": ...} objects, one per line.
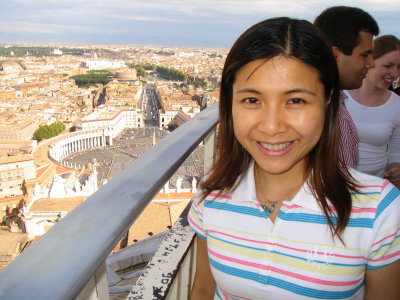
[{"x": 327, "y": 176}]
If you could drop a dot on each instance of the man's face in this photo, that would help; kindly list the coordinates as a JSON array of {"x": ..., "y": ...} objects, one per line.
[{"x": 353, "y": 68}]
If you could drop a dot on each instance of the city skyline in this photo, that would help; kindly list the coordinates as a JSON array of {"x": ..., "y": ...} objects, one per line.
[{"x": 162, "y": 22}]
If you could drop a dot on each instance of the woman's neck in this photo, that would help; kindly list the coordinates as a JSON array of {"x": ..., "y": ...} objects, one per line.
[
  {"x": 276, "y": 188},
  {"x": 370, "y": 95}
]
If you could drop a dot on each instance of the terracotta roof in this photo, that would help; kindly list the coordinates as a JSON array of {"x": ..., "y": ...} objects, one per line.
[
  {"x": 13, "y": 198},
  {"x": 167, "y": 213},
  {"x": 56, "y": 204},
  {"x": 11, "y": 245},
  {"x": 174, "y": 196},
  {"x": 63, "y": 170},
  {"x": 41, "y": 170},
  {"x": 15, "y": 159}
]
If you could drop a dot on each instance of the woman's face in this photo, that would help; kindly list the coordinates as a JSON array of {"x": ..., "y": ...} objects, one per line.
[
  {"x": 386, "y": 70},
  {"x": 278, "y": 113}
]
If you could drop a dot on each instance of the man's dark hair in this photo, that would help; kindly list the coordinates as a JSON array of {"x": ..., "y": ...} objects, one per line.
[{"x": 342, "y": 26}]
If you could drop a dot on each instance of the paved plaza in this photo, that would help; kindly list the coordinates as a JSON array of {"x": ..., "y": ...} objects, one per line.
[{"x": 131, "y": 144}]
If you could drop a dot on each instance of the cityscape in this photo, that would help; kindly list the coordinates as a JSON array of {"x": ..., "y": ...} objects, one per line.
[
  {"x": 88, "y": 88},
  {"x": 72, "y": 117}
]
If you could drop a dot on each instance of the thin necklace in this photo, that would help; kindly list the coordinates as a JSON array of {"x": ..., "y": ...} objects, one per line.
[{"x": 268, "y": 206}]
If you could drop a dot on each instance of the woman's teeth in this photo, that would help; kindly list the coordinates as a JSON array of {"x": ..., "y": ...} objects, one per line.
[{"x": 276, "y": 147}]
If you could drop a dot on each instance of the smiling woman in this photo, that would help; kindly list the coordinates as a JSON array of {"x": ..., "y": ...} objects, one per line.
[{"x": 280, "y": 216}]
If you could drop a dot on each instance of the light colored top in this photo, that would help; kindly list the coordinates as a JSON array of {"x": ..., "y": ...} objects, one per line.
[
  {"x": 349, "y": 135},
  {"x": 296, "y": 257},
  {"x": 378, "y": 130}
]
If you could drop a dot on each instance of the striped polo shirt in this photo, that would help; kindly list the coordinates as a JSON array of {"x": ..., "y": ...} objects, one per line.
[{"x": 296, "y": 257}]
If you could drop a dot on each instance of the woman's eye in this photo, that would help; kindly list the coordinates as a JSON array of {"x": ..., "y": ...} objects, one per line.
[
  {"x": 251, "y": 100},
  {"x": 296, "y": 101}
]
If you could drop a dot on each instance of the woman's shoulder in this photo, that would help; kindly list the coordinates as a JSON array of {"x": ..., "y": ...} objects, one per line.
[
  {"x": 393, "y": 101},
  {"x": 212, "y": 196},
  {"x": 394, "y": 95},
  {"x": 242, "y": 190},
  {"x": 371, "y": 190},
  {"x": 367, "y": 182},
  {"x": 394, "y": 107}
]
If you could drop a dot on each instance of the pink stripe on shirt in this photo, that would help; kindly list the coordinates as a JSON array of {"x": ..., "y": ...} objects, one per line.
[
  {"x": 280, "y": 271},
  {"x": 281, "y": 245}
]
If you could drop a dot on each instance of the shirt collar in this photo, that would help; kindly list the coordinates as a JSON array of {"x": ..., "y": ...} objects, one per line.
[
  {"x": 246, "y": 190},
  {"x": 305, "y": 198},
  {"x": 343, "y": 96}
]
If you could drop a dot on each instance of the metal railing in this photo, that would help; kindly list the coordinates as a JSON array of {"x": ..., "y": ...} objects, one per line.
[{"x": 61, "y": 262}]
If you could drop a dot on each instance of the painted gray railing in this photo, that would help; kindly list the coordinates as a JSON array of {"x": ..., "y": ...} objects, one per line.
[{"x": 61, "y": 263}]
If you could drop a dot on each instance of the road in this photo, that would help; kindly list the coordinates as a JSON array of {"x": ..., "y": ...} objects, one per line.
[
  {"x": 150, "y": 106},
  {"x": 133, "y": 142}
]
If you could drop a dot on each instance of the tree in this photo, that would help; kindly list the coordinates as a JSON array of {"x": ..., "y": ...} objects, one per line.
[
  {"x": 141, "y": 72},
  {"x": 92, "y": 78},
  {"x": 48, "y": 131}
]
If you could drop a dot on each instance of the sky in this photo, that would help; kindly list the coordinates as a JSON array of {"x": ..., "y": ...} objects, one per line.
[{"x": 181, "y": 23}]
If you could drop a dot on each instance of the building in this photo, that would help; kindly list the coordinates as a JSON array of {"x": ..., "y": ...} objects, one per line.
[
  {"x": 124, "y": 93},
  {"x": 12, "y": 244},
  {"x": 104, "y": 64},
  {"x": 15, "y": 171},
  {"x": 172, "y": 118},
  {"x": 17, "y": 128},
  {"x": 115, "y": 121}
]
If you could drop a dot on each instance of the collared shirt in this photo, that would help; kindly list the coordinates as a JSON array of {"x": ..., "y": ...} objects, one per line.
[
  {"x": 296, "y": 256},
  {"x": 349, "y": 136}
]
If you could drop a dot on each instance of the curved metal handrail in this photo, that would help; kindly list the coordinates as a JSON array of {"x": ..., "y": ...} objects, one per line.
[{"x": 60, "y": 263}]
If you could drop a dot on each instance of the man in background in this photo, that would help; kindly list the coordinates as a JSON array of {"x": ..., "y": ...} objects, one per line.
[{"x": 349, "y": 31}]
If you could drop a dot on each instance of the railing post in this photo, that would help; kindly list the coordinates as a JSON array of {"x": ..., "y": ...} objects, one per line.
[
  {"x": 97, "y": 286},
  {"x": 210, "y": 143},
  {"x": 170, "y": 272}
]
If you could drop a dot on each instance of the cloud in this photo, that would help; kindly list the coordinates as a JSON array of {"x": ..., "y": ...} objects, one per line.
[
  {"x": 178, "y": 20},
  {"x": 30, "y": 27}
]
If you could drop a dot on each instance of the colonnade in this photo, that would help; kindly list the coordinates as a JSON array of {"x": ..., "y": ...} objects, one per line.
[{"x": 79, "y": 141}]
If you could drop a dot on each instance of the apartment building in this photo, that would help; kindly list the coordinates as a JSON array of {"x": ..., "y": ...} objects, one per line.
[
  {"x": 14, "y": 172},
  {"x": 16, "y": 128},
  {"x": 115, "y": 121}
]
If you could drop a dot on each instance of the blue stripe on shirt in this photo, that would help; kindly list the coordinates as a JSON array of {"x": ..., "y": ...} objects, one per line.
[
  {"x": 321, "y": 219},
  {"x": 293, "y": 217},
  {"x": 252, "y": 211},
  {"x": 295, "y": 288},
  {"x": 387, "y": 200}
]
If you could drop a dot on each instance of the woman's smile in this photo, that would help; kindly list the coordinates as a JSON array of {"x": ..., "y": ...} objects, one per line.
[{"x": 277, "y": 148}]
